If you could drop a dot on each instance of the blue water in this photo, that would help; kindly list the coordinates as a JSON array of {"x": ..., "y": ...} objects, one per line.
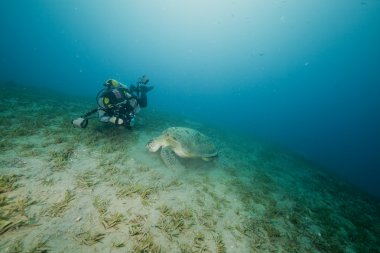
[{"x": 304, "y": 74}]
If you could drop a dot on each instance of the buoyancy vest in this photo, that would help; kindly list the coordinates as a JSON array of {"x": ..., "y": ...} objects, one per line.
[{"x": 114, "y": 96}]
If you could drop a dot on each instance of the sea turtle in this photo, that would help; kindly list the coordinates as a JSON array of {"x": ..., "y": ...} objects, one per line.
[{"x": 184, "y": 142}]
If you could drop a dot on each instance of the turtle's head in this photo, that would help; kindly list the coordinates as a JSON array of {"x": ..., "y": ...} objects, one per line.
[{"x": 153, "y": 145}]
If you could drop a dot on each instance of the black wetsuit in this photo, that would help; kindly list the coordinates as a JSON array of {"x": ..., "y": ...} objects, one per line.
[{"x": 140, "y": 92}]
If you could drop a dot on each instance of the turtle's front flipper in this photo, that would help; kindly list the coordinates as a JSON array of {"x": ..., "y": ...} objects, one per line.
[{"x": 170, "y": 158}]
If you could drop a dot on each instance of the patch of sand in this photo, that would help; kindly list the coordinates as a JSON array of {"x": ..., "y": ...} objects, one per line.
[{"x": 99, "y": 190}]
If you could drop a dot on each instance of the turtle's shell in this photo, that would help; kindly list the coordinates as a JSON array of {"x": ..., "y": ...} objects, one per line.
[{"x": 187, "y": 142}]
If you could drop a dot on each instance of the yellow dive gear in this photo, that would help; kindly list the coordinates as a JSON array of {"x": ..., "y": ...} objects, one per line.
[
  {"x": 106, "y": 102},
  {"x": 112, "y": 83}
]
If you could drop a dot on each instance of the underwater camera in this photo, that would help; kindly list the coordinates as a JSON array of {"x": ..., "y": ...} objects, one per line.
[{"x": 80, "y": 122}]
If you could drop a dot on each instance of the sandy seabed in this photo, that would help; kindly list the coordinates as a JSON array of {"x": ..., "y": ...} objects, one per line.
[{"x": 64, "y": 189}]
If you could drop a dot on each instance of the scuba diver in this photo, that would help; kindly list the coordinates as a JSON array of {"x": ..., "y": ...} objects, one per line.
[{"x": 117, "y": 104}]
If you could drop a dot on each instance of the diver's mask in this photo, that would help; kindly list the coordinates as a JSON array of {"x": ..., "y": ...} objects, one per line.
[
  {"x": 80, "y": 122},
  {"x": 111, "y": 83}
]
